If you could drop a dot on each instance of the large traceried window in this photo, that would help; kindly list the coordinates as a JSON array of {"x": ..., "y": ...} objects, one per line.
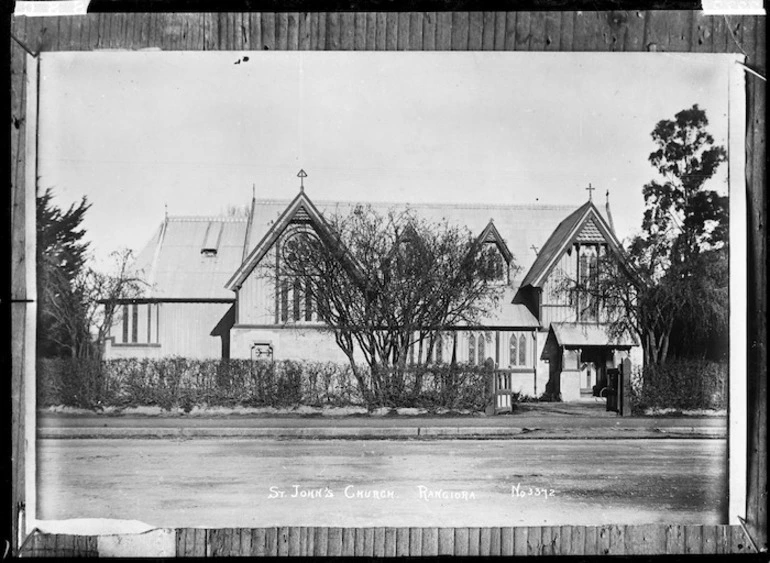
[
  {"x": 471, "y": 349},
  {"x": 296, "y": 302}
]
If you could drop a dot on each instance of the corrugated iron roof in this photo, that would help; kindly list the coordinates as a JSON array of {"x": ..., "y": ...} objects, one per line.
[
  {"x": 589, "y": 334},
  {"x": 520, "y": 226},
  {"x": 508, "y": 314},
  {"x": 181, "y": 270},
  {"x": 174, "y": 265}
]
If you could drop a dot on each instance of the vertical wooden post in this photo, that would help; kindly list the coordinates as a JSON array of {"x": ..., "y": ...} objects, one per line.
[
  {"x": 625, "y": 388},
  {"x": 24, "y": 310},
  {"x": 739, "y": 373},
  {"x": 491, "y": 399},
  {"x": 757, "y": 505}
]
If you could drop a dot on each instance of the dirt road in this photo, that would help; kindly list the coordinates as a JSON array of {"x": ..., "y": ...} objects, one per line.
[{"x": 253, "y": 483}]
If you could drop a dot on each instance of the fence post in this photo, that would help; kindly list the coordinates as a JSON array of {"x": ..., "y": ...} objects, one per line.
[
  {"x": 625, "y": 388},
  {"x": 489, "y": 399}
]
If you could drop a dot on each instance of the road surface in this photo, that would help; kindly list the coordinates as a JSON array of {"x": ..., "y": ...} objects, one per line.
[{"x": 255, "y": 483}]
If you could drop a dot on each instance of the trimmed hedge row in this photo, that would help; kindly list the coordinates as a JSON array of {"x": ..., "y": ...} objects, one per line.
[
  {"x": 175, "y": 382},
  {"x": 682, "y": 384}
]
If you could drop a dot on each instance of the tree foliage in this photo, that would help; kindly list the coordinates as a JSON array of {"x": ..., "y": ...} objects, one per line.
[
  {"x": 682, "y": 217},
  {"x": 61, "y": 256},
  {"x": 671, "y": 281},
  {"x": 385, "y": 283},
  {"x": 76, "y": 301}
]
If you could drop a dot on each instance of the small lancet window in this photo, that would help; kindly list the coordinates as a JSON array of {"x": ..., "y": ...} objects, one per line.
[
  {"x": 514, "y": 349},
  {"x": 481, "y": 349}
]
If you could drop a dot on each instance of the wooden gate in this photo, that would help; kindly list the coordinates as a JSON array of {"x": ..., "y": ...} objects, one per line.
[{"x": 503, "y": 396}]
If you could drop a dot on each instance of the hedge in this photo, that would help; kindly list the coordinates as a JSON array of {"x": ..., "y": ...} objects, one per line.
[
  {"x": 175, "y": 382},
  {"x": 681, "y": 384}
]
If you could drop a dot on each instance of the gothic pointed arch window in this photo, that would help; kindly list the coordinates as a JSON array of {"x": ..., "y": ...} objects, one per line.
[
  {"x": 308, "y": 301},
  {"x": 297, "y": 299},
  {"x": 296, "y": 302},
  {"x": 497, "y": 264},
  {"x": 588, "y": 268},
  {"x": 482, "y": 355},
  {"x": 471, "y": 349},
  {"x": 439, "y": 346},
  {"x": 284, "y": 300},
  {"x": 518, "y": 350}
]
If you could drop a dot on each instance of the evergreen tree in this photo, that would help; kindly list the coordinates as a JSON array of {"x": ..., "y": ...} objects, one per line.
[{"x": 61, "y": 257}]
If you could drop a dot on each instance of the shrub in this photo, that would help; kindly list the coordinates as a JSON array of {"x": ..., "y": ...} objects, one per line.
[
  {"x": 681, "y": 384},
  {"x": 175, "y": 382}
]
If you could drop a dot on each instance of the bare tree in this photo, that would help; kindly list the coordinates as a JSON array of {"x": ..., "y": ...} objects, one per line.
[
  {"x": 383, "y": 284},
  {"x": 237, "y": 211},
  {"x": 85, "y": 307},
  {"x": 105, "y": 290}
]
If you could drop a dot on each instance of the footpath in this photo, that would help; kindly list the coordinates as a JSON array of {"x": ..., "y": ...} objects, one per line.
[{"x": 540, "y": 421}]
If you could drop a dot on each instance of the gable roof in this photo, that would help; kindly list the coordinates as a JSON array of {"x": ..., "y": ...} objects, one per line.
[
  {"x": 172, "y": 261},
  {"x": 585, "y": 224},
  {"x": 519, "y": 226},
  {"x": 589, "y": 334},
  {"x": 513, "y": 316},
  {"x": 300, "y": 210},
  {"x": 492, "y": 235}
]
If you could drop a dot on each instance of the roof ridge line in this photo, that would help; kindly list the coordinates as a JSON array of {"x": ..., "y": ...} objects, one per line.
[
  {"x": 200, "y": 218},
  {"x": 558, "y": 206}
]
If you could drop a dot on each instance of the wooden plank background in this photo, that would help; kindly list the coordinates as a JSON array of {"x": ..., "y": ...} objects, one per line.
[
  {"x": 397, "y": 542},
  {"x": 633, "y": 31}
]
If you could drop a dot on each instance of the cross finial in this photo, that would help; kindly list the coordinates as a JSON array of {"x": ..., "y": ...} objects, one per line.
[
  {"x": 534, "y": 248},
  {"x": 301, "y": 175},
  {"x": 590, "y": 191}
]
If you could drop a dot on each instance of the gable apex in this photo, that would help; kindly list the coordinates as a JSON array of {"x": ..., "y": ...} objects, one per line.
[
  {"x": 490, "y": 234},
  {"x": 585, "y": 221},
  {"x": 300, "y": 210},
  {"x": 590, "y": 232},
  {"x": 301, "y": 216}
]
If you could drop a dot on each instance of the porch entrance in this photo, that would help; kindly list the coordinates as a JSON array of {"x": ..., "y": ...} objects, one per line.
[{"x": 593, "y": 371}]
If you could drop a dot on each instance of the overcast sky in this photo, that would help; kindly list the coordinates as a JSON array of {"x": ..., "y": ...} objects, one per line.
[{"x": 137, "y": 131}]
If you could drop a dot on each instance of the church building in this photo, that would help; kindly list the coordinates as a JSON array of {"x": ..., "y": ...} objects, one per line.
[{"x": 209, "y": 295}]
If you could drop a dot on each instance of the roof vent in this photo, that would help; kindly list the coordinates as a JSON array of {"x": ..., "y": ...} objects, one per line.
[{"x": 211, "y": 238}]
